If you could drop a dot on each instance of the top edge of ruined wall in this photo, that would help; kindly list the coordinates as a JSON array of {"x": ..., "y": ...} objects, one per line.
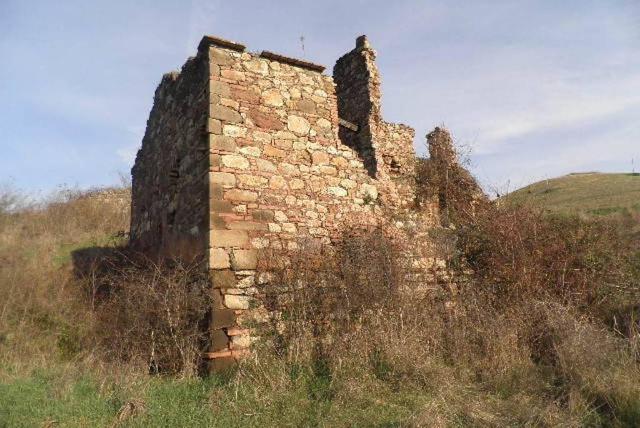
[{"x": 208, "y": 41}]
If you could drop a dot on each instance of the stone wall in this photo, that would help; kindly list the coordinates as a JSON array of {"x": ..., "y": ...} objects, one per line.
[
  {"x": 169, "y": 187},
  {"x": 246, "y": 152}
]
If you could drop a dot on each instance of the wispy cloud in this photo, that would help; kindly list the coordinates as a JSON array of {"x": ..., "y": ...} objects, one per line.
[{"x": 538, "y": 87}]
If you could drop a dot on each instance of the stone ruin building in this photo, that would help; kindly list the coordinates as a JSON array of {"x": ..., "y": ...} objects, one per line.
[{"x": 248, "y": 151}]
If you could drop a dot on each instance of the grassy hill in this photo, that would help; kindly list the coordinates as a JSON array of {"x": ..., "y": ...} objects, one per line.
[{"x": 591, "y": 193}]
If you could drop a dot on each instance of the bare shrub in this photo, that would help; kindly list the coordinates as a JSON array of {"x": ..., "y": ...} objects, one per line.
[
  {"x": 323, "y": 293},
  {"x": 43, "y": 315},
  {"x": 153, "y": 314},
  {"x": 518, "y": 250},
  {"x": 521, "y": 341}
]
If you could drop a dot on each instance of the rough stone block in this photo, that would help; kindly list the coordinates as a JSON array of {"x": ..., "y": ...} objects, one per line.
[
  {"x": 277, "y": 182},
  {"x": 223, "y": 318},
  {"x": 221, "y": 142},
  {"x": 298, "y": 125},
  {"x": 238, "y": 195},
  {"x": 306, "y": 106},
  {"x": 337, "y": 191},
  {"x": 219, "y": 88},
  {"x": 218, "y": 340},
  {"x": 219, "y": 57},
  {"x": 235, "y": 161},
  {"x": 262, "y": 215},
  {"x": 238, "y": 76},
  {"x": 225, "y": 113},
  {"x": 248, "y": 180},
  {"x": 234, "y": 131},
  {"x": 233, "y": 301},
  {"x": 220, "y": 206},
  {"x": 265, "y": 165},
  {"x": 247, "y": 225},
  {"x": 216, "y": 222},
  {"x": 244, "y": 259},
  {"x": 216, "y": 191},
  {"x": 222, "y": 278},
  {"x": 265, "y": 120},
  {"x": 214, "y": 126},
  {"x": 273, "y": 98},
  {"x": 274, "y": 152},
  {"x": 245, "y": 96},
  {"x": 228, "y": 238},
  {"x": 225, "y": 179},
  {"x": 218, "y": 259},
  {"x": 319, "y": 158}
]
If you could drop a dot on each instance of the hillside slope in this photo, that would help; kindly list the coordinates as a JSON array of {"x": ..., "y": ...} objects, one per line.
[{"x": 590, "y": 193}]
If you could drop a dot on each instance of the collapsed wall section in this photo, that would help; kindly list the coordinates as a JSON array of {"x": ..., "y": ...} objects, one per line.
[
  {"x": 385, "y": 148},
  {"x": 169, "y": 193}
]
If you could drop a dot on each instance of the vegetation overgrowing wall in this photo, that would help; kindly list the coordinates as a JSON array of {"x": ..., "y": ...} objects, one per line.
[{"x": 291, "y": 157}]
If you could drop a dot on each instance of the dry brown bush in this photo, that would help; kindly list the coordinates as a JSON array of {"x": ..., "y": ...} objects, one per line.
[
  {"x": 152, "y": 314},
  {"x": 524, "y": 340},
  {"x": 43, "y": 314}
]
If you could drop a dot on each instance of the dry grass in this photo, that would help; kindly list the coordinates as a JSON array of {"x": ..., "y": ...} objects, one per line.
[
  {"x": 544, "y": 333},
  {"x": 481, "y": 357}
]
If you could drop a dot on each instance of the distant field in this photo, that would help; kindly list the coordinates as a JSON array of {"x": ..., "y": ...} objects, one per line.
[{"x": 591, "y": 193}]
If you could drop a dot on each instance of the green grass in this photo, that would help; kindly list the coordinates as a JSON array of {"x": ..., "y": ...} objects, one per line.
[
  {"x": 590, "y": 193},
  {"x": 45, "y": 397},
  {"x": 72, "y": 397}
]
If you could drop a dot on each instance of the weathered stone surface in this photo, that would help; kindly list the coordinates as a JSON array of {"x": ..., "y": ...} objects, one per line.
[
  {"x": 257, "y": 66},
  {"x": 214, "y": 126},
  {"x": 232, "y": 74},
  {"x": 219, "y": 88},
  {"x": 234, "y": 131},
  {"x": 337, "y": 191},
  {"x": 223, "y": 279},
  {"x": 236, "y": 302},
  {"x": 219, "y": 259},
  {"x": 227, "y": 238},
  {"x": 221, "y": 142},
  {"x": 222, "y": 319},
  {"x": 223, "y": 178},
  {"x": 248, "y": 180},
  {"x": 277, "y": 182},
  {"x": 219, "y": 57},
  {"x": 225, "y": 113},
  {"x": 306, "y": 106},
  {"x": 265, "y": 165},
  {"x": 238, "y": 195},
  {"x": 319, "y": 158},
  {"x": 298, "y": 125},
  {"x": 272, "y": 97},
  {"x": 250, "y": 151},
  {"x": 246, "y": 225},
  {"x": 218, "y": 340},
  {"x": 235, "y": 161},
  {"x": 265, "y": 120},
  {"x": 244, "y": 259}
]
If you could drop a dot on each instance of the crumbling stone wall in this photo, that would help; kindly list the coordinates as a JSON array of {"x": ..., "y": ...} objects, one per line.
[
  {"x": 246, "y": 152},
  {"x": 169, "y": 201},
  {"x": 386, "y": 149}
]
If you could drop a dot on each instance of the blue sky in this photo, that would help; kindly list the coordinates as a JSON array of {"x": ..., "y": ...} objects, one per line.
[{"x": 532, "y": 89}]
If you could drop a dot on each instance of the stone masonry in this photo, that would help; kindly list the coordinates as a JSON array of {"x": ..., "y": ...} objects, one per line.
[{"x": 250, "y": 151}]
